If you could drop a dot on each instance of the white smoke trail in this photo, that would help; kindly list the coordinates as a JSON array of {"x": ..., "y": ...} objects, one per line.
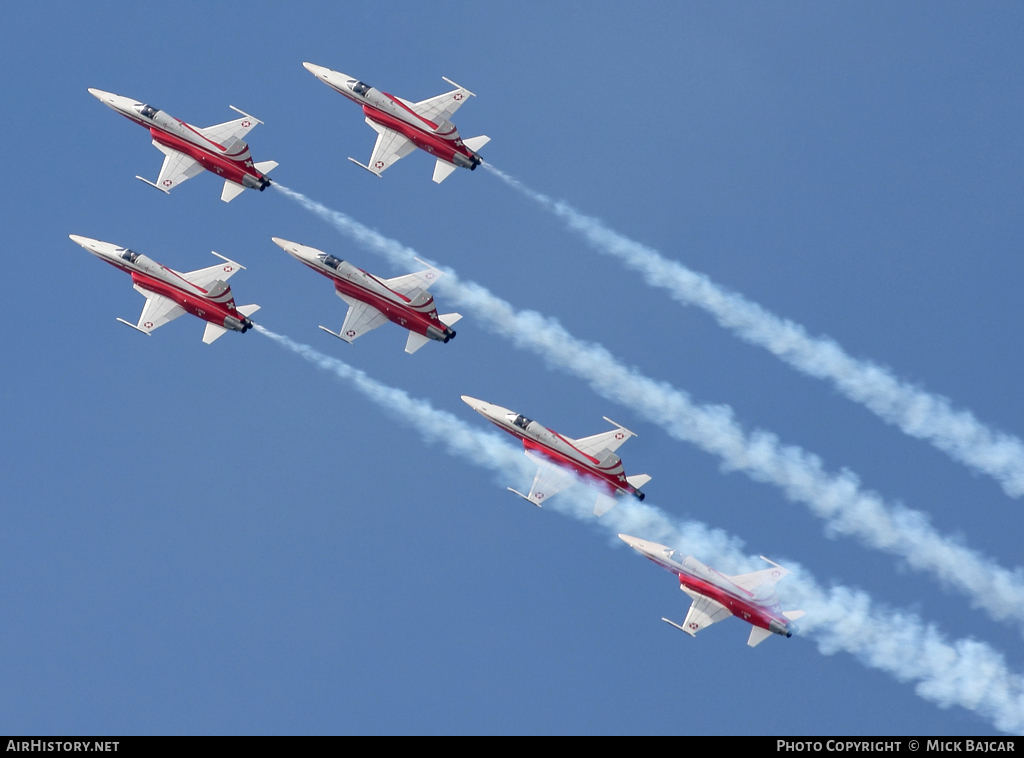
[
  {"x": 915, "y": 411},
  {"x": 963, "y": 672},
  {"x": 837, "y": 498}
]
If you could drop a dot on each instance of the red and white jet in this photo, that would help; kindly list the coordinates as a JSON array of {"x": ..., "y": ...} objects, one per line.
[
  {"x": 373, "y": 301},
  {"x": 716, "y": 596},
  {"x": 402, "y": 126},
  {"x": 561, "y": 459},
  {"x": 190, "y": 149},
  {"x": 204, "y": 293}
]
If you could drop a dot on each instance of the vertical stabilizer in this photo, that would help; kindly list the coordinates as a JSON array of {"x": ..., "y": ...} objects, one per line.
[
  {"x": 603, "y": 505},
  {"x": 757, "y": 636},
  {"x": 415, "y": 342},
  {"x": 442, "y": 169},
  {"x": 231, "y": 191},
  {"x": 212, "y": 332}
]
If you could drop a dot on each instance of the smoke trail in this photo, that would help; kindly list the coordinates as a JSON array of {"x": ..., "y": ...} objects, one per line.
[
  {"x": 964, "y": 672},
  {"x": 915, "y": 411},
  {"x": 837, "y": 498}
]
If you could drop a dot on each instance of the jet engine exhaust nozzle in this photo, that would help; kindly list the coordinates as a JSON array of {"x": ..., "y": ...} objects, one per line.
[{"x": 777, "y": 628}]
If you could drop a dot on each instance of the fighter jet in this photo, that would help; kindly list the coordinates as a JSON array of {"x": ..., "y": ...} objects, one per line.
[
  {"x": 204, "y": 293},
  {"x": 403, "y": 126},
  {"x": 190, "y": 149},
  {"x": 560, "y": 458},
  {"x": 373, "y": 301},
  {"x": 716, "y": 596}
]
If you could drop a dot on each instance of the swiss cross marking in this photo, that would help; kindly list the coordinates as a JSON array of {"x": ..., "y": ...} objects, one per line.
[
  {"x": 433, "y": 316},
  {"x": 247, "y": 123},
  {"x": 539, "y": 496},
  {"x": 429, "y": 275},
  {"x": 167, "y": 182},
  {"x": 249, "y": 163},
  {"x": 148, "y": 325},
  {"x": 622, "y": 477},
  {"x": 458, "y": 95},
  {"x": 228, "y": 269},
  {"x": 619, "y": 435},
  {"x": 378, "y": 164},
  {"x": 694, "y": 625},
  {"x": 350, "y": 333}
]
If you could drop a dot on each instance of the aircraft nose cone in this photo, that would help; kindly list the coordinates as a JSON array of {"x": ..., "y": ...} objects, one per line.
[
  {"x": 101, "y": 95},
  {"x": 87, "y": 242},
  {"x": 315, "y": 70},
  {"x": 281, "y": 243},
  {"x": 476, "y": 405}
]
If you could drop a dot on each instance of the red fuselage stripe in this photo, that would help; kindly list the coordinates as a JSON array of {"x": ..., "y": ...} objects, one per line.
[{"x": 205, "y": 309}]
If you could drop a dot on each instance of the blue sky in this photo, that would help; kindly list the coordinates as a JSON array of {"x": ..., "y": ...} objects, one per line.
[{"x": 224, "y": 539}]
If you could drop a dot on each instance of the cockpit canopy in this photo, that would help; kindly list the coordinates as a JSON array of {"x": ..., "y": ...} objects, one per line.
[
  {"x": 360, "y": 88},
  {"x": 330, "y": 260},
  {"x": 519, "y": 420},
  {"x": 129, "y": 255},
  {"x": 148, "y": 111}
]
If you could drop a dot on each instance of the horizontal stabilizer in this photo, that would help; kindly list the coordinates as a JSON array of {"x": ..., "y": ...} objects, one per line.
[
  {"x": 415, "y": 342},
  {"x": 475, "y": 143},
  {"x": 247, "y": 310},
  {"x": 677, "y": 626},
  {"x": 603, "y": 505},
  {"x": 231, "y": 191},
  {"x": 450, "y": 319},
  {"x": 212, "y": 333},
  {"x": 524, "y": 497},
  {"x": 794, "y": 615},
  {"x": 265, "y": 167},
  {"x": 638, "y": 480},
  {"x": 129, "y": 323},
  {"x": 155, "y": 186},
  {"x": 442, "y": 169},
  {"x": 335, "y": 334},
  {"x": 364, "y": 166},
  {"x": 757, "y": 636}
]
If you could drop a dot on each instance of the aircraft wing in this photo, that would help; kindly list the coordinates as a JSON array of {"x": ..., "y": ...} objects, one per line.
[
  {"x": 204, "y": 277},
  {"x": 703, "y": 612},
  {"x": 177, "y": 168},
  {"x": 159, "y": 310},
  {"x": 229, "y": 131},
  {"x": 403, "y": 285},
  {"x": 758, "y": 579},
  {"x": 441, "y": 107},
  {"x": 550, "y": 480},
  {"x": 361, "y": 318},
  {"x": 604, "y": 441},
  {"x": 389, "y": 149}
]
